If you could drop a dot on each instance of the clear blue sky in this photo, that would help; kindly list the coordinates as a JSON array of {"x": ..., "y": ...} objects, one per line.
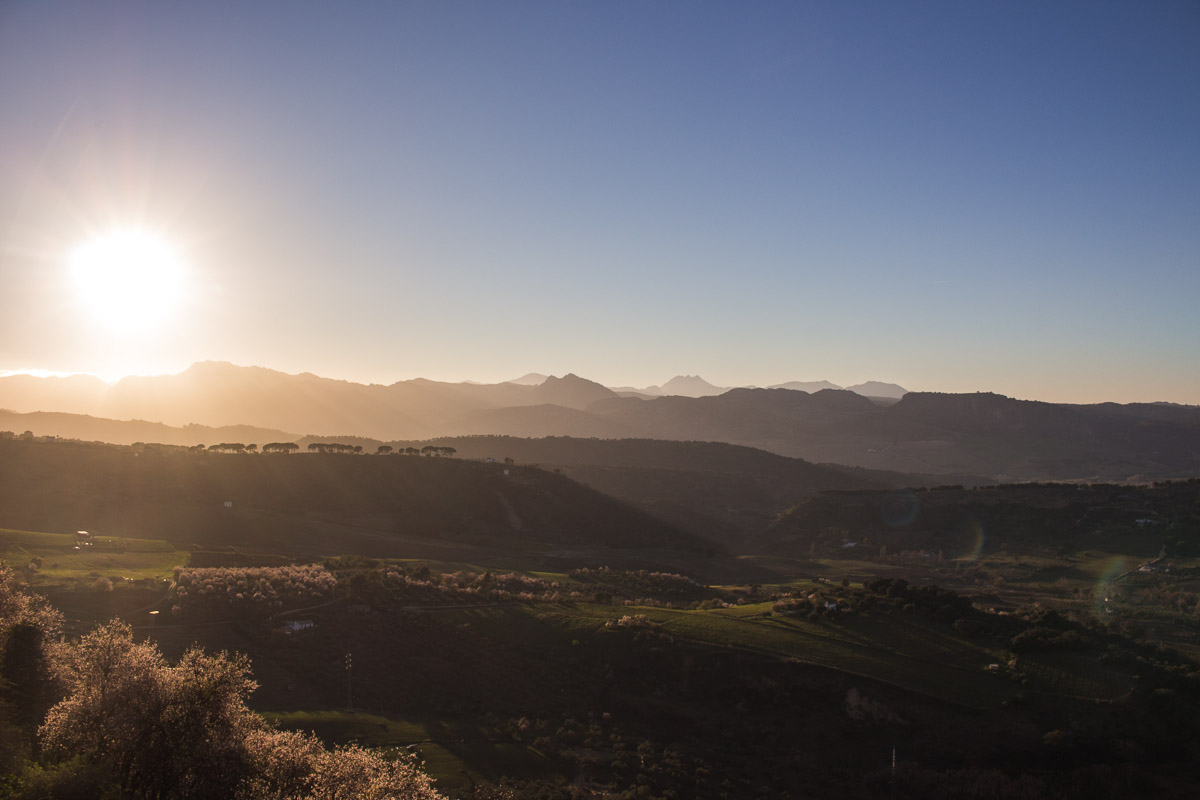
[{"x": 951, "y": 196}]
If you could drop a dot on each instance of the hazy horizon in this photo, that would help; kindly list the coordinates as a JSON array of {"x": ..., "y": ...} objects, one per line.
[
  {"x": 954, "y": 198},
  {"x": 112, "y": 380}
]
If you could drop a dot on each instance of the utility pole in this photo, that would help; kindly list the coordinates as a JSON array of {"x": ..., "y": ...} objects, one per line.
[
  {"x": 893, "y": 773},
  {"x": 350, "y": 684}
]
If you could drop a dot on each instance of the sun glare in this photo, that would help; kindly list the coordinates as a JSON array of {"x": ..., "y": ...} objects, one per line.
[{"x": 130, "y": 280}]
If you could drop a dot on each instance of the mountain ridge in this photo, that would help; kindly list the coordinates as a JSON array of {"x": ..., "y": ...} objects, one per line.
[{"x": 922, "y": 432}]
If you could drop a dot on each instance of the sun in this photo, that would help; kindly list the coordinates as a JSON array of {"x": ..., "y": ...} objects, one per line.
[{"x": 129, "y": 280}]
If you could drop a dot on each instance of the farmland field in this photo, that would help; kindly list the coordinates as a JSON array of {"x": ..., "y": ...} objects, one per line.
[{"x": 58, "y": 561}]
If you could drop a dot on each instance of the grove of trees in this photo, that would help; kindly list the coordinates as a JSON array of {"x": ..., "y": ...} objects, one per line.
[
  {"x": 334, "y": 447},
  {"x": 326, "y": 447},
  {"x": 220, "y": 591}
]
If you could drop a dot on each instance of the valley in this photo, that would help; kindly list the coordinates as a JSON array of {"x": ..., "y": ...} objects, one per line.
[{"x": 995, "y": 635}]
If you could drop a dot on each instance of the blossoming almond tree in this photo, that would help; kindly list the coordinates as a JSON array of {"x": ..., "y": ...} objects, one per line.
[{"x": 185, "y": 731}]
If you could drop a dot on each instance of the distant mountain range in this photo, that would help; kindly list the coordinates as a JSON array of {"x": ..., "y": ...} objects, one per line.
[
  {"x": 695, "y": 386},
  {"x": 980, "y": 434},
  {"x": 219, "y": 394}
]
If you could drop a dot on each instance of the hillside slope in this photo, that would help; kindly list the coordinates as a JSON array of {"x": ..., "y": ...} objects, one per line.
[{"x": 311, "y": 503}]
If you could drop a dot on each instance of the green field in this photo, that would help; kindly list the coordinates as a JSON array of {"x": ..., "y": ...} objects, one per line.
[
  {"x": 895, "y": 648},
  {"x": 58, "y": 561}
]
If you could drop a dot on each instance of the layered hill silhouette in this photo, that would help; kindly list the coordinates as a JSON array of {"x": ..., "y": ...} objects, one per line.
[
  {"x": 219, "y": 394},
  {"x": 725, "y": 492},
  {"x": 981, "y": 434},
  {"x": 97, "y": 429}
]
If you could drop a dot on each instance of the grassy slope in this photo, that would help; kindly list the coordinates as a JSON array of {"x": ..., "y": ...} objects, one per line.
[
  {"x": 62, "y": 562},
  {"x": 911, "y": 653}
]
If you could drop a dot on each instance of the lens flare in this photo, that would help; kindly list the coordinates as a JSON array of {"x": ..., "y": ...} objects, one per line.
[
  {"x": 1102, "y": 592},
  {"x": 975, "y": 540}
]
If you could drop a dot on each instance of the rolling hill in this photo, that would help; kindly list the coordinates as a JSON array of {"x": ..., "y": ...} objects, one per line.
[{"x": 310, "y": 504}]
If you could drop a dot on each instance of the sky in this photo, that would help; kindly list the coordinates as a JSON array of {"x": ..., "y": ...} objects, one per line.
[{"x": 993, "y": 196}]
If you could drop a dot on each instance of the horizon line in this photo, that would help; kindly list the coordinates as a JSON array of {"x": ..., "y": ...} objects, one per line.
[{"x": 111, "y": 381}]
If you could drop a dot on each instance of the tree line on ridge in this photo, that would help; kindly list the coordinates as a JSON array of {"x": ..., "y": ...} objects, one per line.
[{"x": 324, "y": 447}]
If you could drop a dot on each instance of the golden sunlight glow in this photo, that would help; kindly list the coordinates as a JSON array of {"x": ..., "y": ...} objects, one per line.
[{"x": 130, "y": 280}]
